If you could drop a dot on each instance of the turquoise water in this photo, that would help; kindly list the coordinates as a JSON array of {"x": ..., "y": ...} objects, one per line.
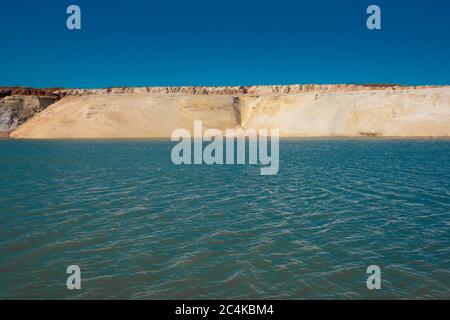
[{"x": 140, "y": 227}]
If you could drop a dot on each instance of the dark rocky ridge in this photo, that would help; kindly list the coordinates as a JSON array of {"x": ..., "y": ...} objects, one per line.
[
  {"x": 203, "y": 90},
  {"x": 26, "y": 91}
]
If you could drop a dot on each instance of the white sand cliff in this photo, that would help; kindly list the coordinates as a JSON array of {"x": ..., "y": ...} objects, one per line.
[{"x": 297, "y": 111}]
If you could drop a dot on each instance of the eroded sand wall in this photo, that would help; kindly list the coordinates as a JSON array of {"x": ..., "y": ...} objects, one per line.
[{"x": 299, "y": 112}]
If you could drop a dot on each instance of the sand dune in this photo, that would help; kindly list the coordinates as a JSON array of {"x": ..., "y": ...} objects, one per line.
[{"x": 340, "y": 111}]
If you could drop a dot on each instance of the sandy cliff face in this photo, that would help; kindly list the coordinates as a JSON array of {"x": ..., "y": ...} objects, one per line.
[
  {"x": 127, "y": 116},
  {"x": 296, "y": 110},
  {"x": 419, "y": 112}
]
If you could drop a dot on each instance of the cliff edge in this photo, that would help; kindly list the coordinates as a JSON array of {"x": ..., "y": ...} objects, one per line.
[{"x": 296, "y": 110}]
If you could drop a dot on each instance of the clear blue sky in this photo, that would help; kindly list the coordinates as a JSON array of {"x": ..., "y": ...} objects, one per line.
[{"x": 190, "y": 42}]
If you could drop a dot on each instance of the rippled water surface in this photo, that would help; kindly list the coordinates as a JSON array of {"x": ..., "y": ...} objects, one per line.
[{"x": 140, "y": 227}]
